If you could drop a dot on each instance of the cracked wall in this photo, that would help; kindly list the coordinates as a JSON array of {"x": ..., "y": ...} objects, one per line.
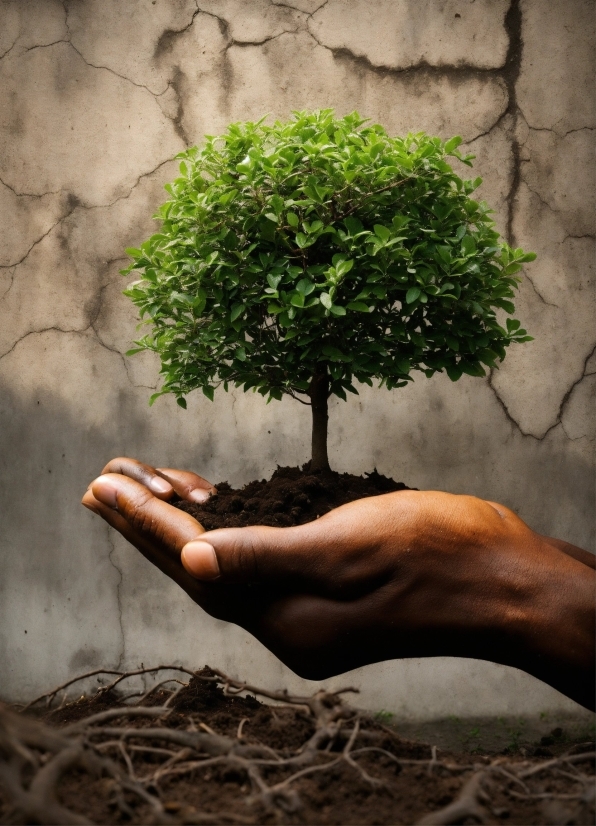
[{"x": 96, "y": 97}]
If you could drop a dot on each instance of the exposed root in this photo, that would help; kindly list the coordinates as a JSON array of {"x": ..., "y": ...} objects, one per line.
[{"x": 140, "y": 748}]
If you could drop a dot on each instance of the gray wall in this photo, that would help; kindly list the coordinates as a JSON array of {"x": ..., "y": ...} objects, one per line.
[{"x": 95, "y": 97}]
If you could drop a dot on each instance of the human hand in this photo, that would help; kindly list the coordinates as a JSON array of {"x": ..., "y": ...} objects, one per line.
[{"x": 406, "y": 574}]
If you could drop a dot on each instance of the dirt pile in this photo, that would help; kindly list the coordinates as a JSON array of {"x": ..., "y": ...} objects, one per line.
[
  {"x": 293, "y": 496},
  {"x": 200, "y": 748}
]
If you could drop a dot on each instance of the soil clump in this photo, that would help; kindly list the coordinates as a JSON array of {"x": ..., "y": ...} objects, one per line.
[{"x": 293, "y": 496}]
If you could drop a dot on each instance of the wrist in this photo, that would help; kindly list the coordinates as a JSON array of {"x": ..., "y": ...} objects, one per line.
[{"x": 548, "y": 624}]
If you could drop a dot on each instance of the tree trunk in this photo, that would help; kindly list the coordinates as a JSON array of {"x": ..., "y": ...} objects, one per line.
[{"x": 319, "y": 394}]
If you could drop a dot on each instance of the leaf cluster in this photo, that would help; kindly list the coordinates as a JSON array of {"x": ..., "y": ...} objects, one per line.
[{"x": 322, "y": 242}]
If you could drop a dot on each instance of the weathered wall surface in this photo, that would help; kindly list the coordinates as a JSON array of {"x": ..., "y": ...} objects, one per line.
[{"x": 96, "y": 96}]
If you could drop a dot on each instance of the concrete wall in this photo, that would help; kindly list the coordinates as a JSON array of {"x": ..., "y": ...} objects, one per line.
[{"x": 96, "y": 96}]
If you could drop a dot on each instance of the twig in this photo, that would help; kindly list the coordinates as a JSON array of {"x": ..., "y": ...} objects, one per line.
[
  {"x": 373, "y": 781},
  {"x": 122, "y": 675},
  {"x": 433, "y": 760},
  {"x": 153, "y": 688},
  {"x": 573, "y": 758},
  {"x": 240, "y": 727},
  {"x": 113, "y": 713}
]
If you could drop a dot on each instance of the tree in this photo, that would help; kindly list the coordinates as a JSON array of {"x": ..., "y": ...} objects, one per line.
[{"x": 299, "y": 257}]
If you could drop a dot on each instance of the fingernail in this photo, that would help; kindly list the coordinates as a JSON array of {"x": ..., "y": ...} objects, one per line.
[
  {"x": 198, "y": 495},
  {"x": 105, "y": 490},
  {"x": 199, "y": 559},
  {"x": 90, "y": 507},
  {"x": 158, "y": 485}
]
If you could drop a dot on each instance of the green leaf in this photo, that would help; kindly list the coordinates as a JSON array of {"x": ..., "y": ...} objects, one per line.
[
  {"x": 181, "y": 403},
  {"x": 337, "y": 310},
  {"x": 237, "y": 310},
  {"x": 468, "y": 245},
  {"x": 305, "y": 286},
  {"x": 326, "y": 301},
  {"x": 359, "y": 306},
  {"x": 452, "y": 144},
  {"x": 382, "y": 232},
  {"x": 273, "y": 280},
  {"x": 332, "y": 352},
  {"x": 412, "y": 294},
  {"x": 292, "y": 219},
  {"x": 208, "y": 391},
  {"x": 454, "y": 373},
  {"x": 526, "y": 257}
]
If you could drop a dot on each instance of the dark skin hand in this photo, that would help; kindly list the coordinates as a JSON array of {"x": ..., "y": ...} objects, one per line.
[{"x": 407, "y": 574}]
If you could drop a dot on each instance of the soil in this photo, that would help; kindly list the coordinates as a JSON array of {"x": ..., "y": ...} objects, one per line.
[
  {"x": 293, "y": 496},
  {"x": 390, "y": 780}
]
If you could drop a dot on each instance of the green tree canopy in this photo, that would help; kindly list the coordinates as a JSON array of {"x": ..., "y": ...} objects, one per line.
[{"x": 317, "y": 252}]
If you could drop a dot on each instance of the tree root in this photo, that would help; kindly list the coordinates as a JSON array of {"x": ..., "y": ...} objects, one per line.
[{"x": 35, "y": 758}]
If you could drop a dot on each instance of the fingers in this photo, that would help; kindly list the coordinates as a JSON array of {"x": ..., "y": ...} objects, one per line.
[
  {"x": 187, "y": 484},
  {"x": 163, "y": 482},
  {"x": 142, "y": 473},
  {"x": 145, "y": 515}
]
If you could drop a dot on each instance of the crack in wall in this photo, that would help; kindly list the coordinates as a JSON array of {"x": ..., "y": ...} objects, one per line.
[
  {"x": 75, "y": 204},
  {"x": 118, "y": 570},
  {"x": 35, "y": 243},
  {"x": 37, "y": 333},
  {"x": 47, "y": 45},
  {"x": 10, "y": 48},
  {"x": 21, "y": 194},
  {"x": 114, "y": 72},
  {"x": 167, "y": 37},
  {"x": 11, "y": 276},
  {"x": 178, "y": 119},
  {"x": 562, "y": 405},
  {"x": 538, "y": 293},
  {"x": 510, "y": 74},
  {"x": 453, "y": 72},
  {"x": 82, "y": 332}
]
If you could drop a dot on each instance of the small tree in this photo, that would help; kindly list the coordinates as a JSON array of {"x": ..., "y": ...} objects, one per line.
[{"x": 296, "y": 258}]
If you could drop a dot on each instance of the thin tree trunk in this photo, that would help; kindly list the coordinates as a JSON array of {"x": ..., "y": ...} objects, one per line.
[{"x": 319, "y": 394}]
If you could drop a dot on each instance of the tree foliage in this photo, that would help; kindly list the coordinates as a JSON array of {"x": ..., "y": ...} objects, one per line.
[{"x": 323, "y": 243}]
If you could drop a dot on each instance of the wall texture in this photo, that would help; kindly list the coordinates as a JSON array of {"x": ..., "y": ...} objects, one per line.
[{"x": 96, "y": 97}]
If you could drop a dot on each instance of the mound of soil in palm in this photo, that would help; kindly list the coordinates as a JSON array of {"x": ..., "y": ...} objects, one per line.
[{"x": 293, "y": 496}]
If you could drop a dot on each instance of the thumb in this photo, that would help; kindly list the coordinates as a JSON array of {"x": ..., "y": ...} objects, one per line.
[{"x": 257, "y": 553}]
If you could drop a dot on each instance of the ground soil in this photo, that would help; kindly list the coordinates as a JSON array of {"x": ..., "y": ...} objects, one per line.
[
  {"x": 395, "y": 781},
  {"x": 293, "y": 496}
]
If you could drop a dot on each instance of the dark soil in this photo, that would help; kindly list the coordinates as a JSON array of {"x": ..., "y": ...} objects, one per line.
[
  {"x": 391, "y": 780},
  {"x": 293, "y": 496}
]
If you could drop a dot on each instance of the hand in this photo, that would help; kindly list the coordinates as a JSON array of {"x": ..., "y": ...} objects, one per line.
[{"x": 407, "y": 574}]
